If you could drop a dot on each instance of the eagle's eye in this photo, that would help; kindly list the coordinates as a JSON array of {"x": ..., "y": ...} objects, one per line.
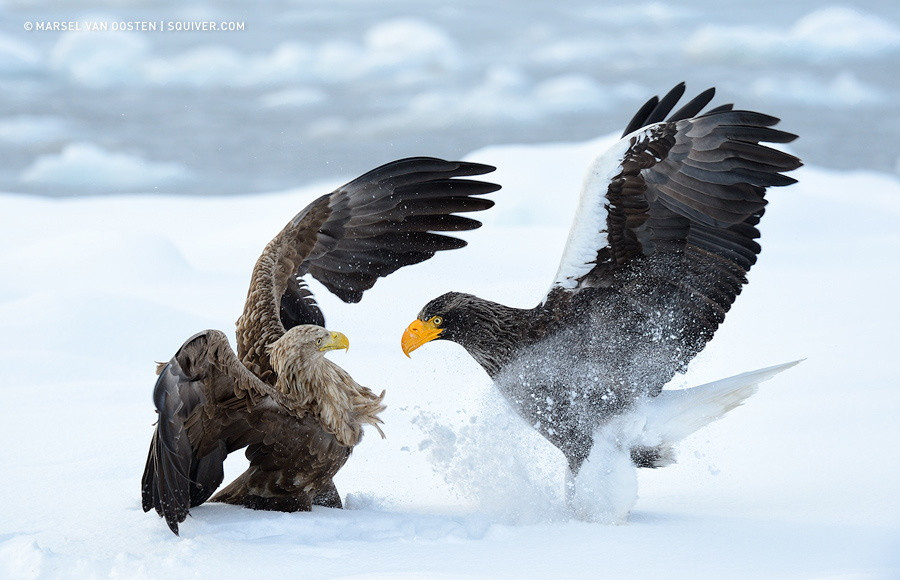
[
  {"x": 318, "y": 342},
  {"x": 436, "y": 320}
]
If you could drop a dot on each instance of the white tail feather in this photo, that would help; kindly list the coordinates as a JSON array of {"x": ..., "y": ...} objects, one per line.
[
  {"x": 674, "y": 414},
  {"x": 605, "y": 489}
]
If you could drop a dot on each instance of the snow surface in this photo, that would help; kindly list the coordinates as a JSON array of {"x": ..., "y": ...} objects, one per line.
[{"x": 799, "y": 482}]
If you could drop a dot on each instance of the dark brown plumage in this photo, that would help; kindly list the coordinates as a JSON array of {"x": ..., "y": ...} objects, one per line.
[
  {"x": 664, "y": 237},
  {"x": 298, "y": 414}
]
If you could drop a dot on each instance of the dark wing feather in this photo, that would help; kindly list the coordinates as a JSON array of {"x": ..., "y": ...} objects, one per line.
[
  {"x": 203, "y": 397},
  {"x": 680, "y": 229},
  {"x": 656, "y": 109},
  {"x": 394, "y": 208},
  {"x": 694, "y": 106},
  {"x": 364, "y": 230},
  {"x": 665, "y": 105},
  {"x": 291, "y": 468},
  {"x": 299, "y": 306},
  {"x": 640, "y": 118}
]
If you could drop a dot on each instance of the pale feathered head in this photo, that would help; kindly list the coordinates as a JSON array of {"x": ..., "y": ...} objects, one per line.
[
  {"x": 306, "y": 342},
  {"x": 320, "y": 387}
]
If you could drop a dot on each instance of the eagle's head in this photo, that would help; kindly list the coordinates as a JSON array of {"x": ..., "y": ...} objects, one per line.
[
  {"x": 306, "y": 342},
  {"x": 447, "y": 317},
  {"x": 487, "y": 330}
]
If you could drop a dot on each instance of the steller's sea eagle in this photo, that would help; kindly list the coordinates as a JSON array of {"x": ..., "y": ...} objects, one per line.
[
  {"x": 298, "y": 414},
  {"x": 664, "y": 235}
]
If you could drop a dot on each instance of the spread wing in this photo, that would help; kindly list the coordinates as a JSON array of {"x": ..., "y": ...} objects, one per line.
[
  {"x": 671, "y": 209},
  {"x": 204, "y": 397},
  {"x": 366, "y": 229}
]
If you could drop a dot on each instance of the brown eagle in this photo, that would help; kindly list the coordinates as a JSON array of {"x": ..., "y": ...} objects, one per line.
[
  {"x": 663, "y": 238},
  {"x": 298, "y": 414}
]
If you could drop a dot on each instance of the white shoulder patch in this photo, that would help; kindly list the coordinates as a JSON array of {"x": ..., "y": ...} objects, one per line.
[{"x": 588, "y": 233}]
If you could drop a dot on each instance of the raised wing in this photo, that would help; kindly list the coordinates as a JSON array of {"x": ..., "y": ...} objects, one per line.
[
  {"x": 364, "y": 230},
  {"x": 656, "y": 109},
  {"x": 204, "y": 397},
  {"x": 687, "y": 193}
]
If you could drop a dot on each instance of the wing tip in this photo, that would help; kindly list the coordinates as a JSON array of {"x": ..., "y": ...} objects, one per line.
[{"x": 474, "y": 168}]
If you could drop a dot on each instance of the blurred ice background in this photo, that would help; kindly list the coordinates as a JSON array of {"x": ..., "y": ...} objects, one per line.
[{"x": 316, "y": 90}]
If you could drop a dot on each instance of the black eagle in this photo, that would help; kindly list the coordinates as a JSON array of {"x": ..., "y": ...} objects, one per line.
[{"x": 664, "y": 236}]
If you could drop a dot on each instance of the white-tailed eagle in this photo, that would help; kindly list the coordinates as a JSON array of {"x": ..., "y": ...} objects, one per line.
[{"x": 298, "y": 414}]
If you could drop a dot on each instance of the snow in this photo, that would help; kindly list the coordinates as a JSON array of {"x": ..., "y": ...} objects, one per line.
[
  {"x": 87, "y": 166},
  {"x": 295, "y": 97},
  {"x": 16, "y": 57},
  {"x": 503, "y": 93},
  {"x": 99, "y": 60},
  {"x": 640, "y": 14},
  {"x": 799, "y": 482},
  {"x": 400, "y": 50},
  {"x": 412, "y": 49},
  {"x": 842, "y": 91},
  {"x": 27, "y": 129},
  {"x": 567, "y": 92},
  {"x": 415, "y": 44},
  {"x": 834, "y": 32},
  {"x": 318, "y": 92}
]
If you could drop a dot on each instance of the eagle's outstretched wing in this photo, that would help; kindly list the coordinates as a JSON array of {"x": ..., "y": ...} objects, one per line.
[
  {"x": 364, "y": 230},
  {"x": 673, "y": 207}
]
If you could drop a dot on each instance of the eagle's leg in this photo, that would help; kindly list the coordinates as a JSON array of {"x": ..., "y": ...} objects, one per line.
[
  {"x": 264, "y": 490},
  {"x": 299, "y": 502},
  {"x": 575, "y": 447},
  {"x": 328, "y": 496},
  {"x": 652, "y": 457}
]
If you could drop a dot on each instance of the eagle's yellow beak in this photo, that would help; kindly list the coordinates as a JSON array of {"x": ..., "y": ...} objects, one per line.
[
  {"x": 336, "y": 341},
  {"x": 417, "y": 334}
]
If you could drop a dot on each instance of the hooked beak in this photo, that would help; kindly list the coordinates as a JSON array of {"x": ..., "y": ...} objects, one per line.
[
  {"x": 336, "y": 341},
  {"x": 418, "y": 333}
]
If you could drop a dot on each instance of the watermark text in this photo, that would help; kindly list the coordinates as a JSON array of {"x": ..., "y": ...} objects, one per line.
[{"x": 134, "y": 26}]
